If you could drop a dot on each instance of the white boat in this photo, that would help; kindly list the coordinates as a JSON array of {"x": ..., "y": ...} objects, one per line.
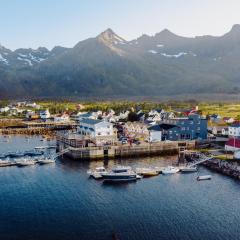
[
  {"x": 41, "y": 147},
  {"x": 204, "y": 177},
  {"x": 46, "y": 161},
  {"x": 120, "y": 174},
  {"x": 188, "y": 169},
  {"x": 6, "y": 163},
  {"x": 97, "y": 173},
  {"x": 25, "y": 162},
  {"x": 170, "y": 170}
]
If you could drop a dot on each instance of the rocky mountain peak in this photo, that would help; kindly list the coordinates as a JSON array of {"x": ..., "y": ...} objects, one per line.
[{"x": 110, "y": 37}]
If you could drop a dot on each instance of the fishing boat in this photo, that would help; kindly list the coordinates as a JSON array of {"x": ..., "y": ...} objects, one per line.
[
  {"x": 97, "y": 173},
  {"x": 170, "y": 170},
  {"x": 188, "y": 169},
  {"x": 25, "y": 163},
  {"x": 120, "y": 174},
  {"x": 147, "y": 172},
  {"x": 204, "y": 177},
  {"x": 46, "y": 161}
]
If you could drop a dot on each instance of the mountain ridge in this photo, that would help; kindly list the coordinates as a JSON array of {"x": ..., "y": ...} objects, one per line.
[{"x": 162, "y": 64}]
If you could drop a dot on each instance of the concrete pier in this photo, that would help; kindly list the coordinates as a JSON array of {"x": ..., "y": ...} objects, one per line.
[{"x": 119, "y": 150}]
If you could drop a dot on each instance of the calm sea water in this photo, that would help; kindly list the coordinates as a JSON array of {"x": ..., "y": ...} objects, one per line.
[{"x": 59, "y": 202}]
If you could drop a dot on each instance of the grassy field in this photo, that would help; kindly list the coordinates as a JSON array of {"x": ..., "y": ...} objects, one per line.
[{"x": 223, "y": 109}]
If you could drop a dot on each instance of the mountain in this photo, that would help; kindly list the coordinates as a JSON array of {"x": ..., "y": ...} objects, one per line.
[{"x": 109, "y": 66}]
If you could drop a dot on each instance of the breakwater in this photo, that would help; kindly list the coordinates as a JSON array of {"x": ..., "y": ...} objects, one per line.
[{"x": 231, "y": 169}]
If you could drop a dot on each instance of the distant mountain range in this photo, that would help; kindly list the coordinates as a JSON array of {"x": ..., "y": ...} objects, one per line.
[{"x": 109, "y": 66}]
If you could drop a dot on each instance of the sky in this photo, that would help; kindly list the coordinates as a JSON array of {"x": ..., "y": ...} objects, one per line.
[{"x": 49, "y": 23}]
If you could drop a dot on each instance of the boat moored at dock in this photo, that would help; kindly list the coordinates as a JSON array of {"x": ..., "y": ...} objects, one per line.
[
  {"x": 147, "y": 172},
  {"x": 204, "y": 177},
  {"x": 46, "y": 161},
  {"x": 25, "y": 163},
  {"x": 120, "y": 174},
  {"x": 97, "y": 173},
  {"x": 188, "y": 169},
  {"x": 170, "y": 170}
]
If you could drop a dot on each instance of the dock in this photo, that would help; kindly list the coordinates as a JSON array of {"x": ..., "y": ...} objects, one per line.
[{"x": 77, "y": 150}]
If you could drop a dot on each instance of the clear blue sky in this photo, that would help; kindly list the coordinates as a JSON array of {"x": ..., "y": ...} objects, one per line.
[{"x": 33, "y": 23}]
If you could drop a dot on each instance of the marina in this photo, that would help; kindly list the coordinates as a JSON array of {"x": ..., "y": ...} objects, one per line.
[{"x": 164, "y": 205}]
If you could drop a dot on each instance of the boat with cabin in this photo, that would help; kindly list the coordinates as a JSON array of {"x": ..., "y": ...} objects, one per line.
[
  {"x": 170, "y": 170},
  {"x": 120, "y": 174}
]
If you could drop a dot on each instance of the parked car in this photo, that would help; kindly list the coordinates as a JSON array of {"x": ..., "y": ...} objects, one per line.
[{"x": 124, "y": 141}]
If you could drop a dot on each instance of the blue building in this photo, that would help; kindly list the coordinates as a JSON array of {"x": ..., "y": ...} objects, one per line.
[{"x": 188, "y": 128}]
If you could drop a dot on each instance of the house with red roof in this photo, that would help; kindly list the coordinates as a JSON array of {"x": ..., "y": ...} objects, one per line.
[{"x": 233, "y": 144}]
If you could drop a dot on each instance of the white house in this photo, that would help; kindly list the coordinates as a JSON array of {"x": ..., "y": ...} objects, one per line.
[
  {"x": 45, "y": 114},
  {"x": 95, "y": 128},
  {"x": 225, "y": 131},
  {"x": 61, "y": 118},
  {"x": 234, "y": 130},
  {"x": 4, "y": 109},
  {"x": 155, "y": 133}
]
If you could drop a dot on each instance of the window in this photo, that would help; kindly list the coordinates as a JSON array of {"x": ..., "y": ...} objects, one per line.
[{"x": 183, "y": 128}]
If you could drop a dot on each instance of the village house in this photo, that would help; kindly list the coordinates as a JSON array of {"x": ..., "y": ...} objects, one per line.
[
  {"x": 228, "y": 120},
  {"x": 4, "y": 109},
  {"x": 155, "y": 133},
  {"x": 94, "y": 128},
  {"x": 215, "y": 118},
  {"x": 136, "y": 130},
  {"x": 61, "y": 118},
  {"x": 234, "y": 130},
  {"x": 45, "y": 114},
  {"x": 232, "y": 145}
]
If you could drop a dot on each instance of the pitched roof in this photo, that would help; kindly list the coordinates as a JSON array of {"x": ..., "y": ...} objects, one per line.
[
  {"x": 91, "y": 121},
  {"x": 163, "y": 126}
]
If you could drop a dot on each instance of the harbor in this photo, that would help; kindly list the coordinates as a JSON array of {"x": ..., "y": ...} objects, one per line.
[{"x": 62, "y": 195}]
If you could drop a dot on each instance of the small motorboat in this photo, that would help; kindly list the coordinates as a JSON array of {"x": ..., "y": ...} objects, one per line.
[
  {"x": 147, "y": 172},
  {"x": 170, "y": 170},
  {"x": 25, "y": 163},
  {"x": 120, "y": 174},
  {"x": 204, "y": 177},
  {"x": 188, "y": 169},
  {"x": 97, "y": 173},
  {"x": 46, "y": 161}
]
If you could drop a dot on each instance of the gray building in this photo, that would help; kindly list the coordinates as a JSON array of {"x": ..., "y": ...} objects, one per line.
[{"x": 188, "y": 128}]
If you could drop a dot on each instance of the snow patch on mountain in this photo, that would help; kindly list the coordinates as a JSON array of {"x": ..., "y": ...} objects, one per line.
[
  {"x": 4, "y": 60},
  {"x": 174, "y": 55},
  {"x": 27, "y": 61},
  {"x": 152, "y": 51}
]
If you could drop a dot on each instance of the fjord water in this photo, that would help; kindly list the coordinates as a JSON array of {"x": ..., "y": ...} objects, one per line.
[{"x": 59, "y": 201}]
